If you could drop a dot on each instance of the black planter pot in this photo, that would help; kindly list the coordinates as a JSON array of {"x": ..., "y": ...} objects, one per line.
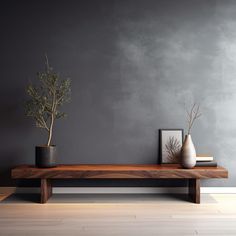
[{"x": 45, "y": 156}]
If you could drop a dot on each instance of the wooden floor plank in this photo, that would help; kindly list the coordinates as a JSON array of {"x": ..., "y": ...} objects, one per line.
[{"x": 216, "y": 217}]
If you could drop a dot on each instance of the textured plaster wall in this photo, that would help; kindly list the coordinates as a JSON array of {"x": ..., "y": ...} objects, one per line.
[{"x": 135, "y": 65}]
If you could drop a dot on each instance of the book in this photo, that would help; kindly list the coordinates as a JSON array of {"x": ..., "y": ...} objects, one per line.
[
  {"x": 204, "y": 158},
  {"x": 206, "y": 164}
]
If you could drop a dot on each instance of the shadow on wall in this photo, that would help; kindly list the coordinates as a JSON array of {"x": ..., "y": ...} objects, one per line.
[
  {"x": 12, "y": 112},
  {"x": 14, "y": 129},
  {"x": 8, "y": 160}
]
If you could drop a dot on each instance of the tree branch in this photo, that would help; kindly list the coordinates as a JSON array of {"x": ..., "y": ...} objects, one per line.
[{"x": 192, "y": 116}]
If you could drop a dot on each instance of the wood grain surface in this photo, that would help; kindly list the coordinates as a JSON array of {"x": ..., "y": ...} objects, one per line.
[
  {"x": 194, "y": 190},
  {"x": 45, "y": 190},
  {"x": 118, "y": 172},
  {"x": 116, "y": 215}
]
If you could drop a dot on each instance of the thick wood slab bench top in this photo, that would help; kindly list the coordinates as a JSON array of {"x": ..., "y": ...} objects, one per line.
[{"x": 170, "y": 171}]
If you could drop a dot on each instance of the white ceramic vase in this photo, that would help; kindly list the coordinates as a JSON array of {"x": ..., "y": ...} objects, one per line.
[{"x": 188, "y": 153}]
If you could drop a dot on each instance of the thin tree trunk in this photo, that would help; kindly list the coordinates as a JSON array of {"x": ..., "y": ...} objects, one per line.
[
  {"x": 50, "y": 131},
  {"x": 52, "y": 121}
]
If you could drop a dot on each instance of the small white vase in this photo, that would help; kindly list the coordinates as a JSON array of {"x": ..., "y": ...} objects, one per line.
[{"x": 188, "y": 153}]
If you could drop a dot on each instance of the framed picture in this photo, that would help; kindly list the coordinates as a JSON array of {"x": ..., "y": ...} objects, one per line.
[{"x": 171, "y": 141}]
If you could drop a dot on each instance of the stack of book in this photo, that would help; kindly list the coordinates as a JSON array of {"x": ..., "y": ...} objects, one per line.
[{"x": 206, "y": 160}]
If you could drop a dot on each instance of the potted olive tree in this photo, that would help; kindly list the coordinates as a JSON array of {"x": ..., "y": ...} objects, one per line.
[{"x": 43, "y": 106}]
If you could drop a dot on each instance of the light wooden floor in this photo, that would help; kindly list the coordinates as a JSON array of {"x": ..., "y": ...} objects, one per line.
[{"x": 216, "y": 215}]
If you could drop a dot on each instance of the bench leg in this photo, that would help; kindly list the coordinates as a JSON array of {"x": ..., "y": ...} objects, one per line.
[
  {"x": 46, "y": 190},
  {"x": 194, "y": 190}
]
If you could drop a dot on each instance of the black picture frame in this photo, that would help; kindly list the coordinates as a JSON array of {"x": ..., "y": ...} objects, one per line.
[{"x": 170, "y": 139}]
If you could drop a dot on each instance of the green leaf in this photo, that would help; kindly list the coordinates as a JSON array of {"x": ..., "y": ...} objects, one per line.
[{"x": 44, "y": 99}]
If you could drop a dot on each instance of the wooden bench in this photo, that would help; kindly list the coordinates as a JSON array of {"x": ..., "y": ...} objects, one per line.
[{"x": 118, "y": 172}]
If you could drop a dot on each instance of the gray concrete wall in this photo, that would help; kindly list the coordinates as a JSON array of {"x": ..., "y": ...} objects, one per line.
[{"x": 134, "y": 65}]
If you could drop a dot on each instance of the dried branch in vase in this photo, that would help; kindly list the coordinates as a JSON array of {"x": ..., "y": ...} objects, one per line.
[{"x": 192, "y": 115}]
